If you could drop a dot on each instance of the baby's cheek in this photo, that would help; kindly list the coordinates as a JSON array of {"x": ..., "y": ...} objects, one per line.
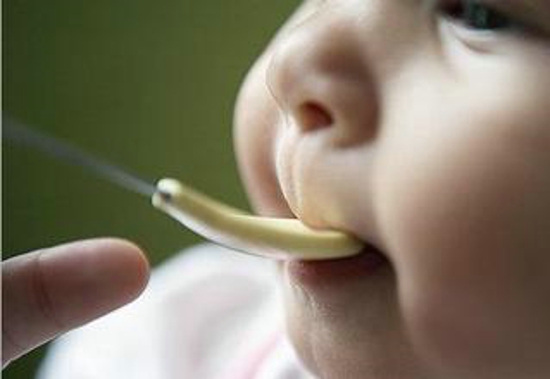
[
  {"x": 458, "y": 216},
  {"x": 255, "y": 129}
]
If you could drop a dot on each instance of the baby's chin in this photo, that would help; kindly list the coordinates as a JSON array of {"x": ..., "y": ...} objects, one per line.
[{"x": 350, "y": 327}]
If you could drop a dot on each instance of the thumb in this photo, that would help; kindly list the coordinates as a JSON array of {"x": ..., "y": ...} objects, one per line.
[{"x": 50, "y": 291}]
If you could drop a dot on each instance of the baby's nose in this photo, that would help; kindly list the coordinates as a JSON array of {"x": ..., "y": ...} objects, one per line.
[{"x": 322, "y": 82}]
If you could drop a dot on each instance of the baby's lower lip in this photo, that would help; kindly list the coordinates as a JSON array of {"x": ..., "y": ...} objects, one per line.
[{"x": 327, "y": 272}]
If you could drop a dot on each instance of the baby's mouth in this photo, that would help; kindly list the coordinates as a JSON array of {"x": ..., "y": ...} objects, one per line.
[
  {"x": 366, "y": 262},
  {"x": 327, "y": 272},
  {"x": 313, "y": 183}
]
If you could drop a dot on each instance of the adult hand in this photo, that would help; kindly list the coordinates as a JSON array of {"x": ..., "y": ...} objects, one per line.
[{"x": 50, "y": 291}]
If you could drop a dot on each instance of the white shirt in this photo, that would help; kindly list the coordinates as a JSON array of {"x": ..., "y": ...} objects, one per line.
[{"x": 207, "y": 314}]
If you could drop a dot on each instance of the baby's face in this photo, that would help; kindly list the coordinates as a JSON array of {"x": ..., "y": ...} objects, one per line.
[{"x": 422, "y": 127}]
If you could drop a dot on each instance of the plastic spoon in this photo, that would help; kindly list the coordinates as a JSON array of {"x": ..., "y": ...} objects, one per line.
[
  {"x": 279, "y": 238},
  {"x": 265, "y": 236}
]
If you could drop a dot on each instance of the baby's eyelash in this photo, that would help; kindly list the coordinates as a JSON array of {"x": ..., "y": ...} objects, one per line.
[
  {"x": 483, "y": 25},
  {"x": 476, "y": 15}
]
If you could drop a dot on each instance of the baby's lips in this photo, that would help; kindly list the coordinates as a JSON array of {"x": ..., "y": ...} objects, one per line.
[{"x": 327, "y": 273}]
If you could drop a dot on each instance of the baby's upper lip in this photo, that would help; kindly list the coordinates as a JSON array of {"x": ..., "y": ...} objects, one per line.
[{"x": 316, "y": 194}]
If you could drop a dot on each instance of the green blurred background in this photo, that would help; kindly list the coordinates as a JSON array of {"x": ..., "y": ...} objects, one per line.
[{"x": 147, "y": 84}]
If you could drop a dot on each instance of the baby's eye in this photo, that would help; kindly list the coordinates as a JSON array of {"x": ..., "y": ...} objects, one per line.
[{"x": 476, "y": 16}]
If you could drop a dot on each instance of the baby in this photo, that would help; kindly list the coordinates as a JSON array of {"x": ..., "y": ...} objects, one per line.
[{"x": 422, "y": 127}]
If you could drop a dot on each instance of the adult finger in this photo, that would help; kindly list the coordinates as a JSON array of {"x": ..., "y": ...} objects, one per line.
[{"x": 50, "y": 291}]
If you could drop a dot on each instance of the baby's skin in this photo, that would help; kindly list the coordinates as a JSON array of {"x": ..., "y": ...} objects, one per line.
[{"x": 423, "y": 128}]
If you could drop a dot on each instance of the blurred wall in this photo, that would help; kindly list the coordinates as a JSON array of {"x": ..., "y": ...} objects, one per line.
[{"x": 147, "y": 84}]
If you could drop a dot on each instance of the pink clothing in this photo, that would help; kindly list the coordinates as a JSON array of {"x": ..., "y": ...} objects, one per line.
[{"x": 207, "y": 314}]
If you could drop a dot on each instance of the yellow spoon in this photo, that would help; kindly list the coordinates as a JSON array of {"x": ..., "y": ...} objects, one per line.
[
  {"x": 269, "y": 237},
  {"x": 279, "y": 238}
]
